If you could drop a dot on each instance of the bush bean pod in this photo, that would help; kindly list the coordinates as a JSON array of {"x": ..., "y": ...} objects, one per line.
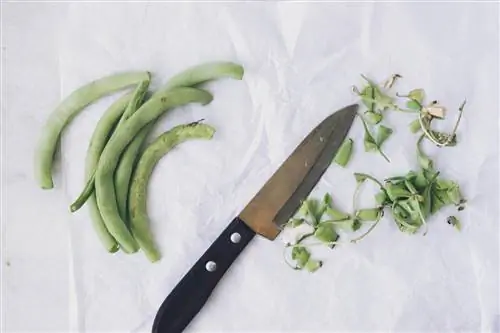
[
  {"x": 67, "y": 110},
  {"x": 139, "y": 222}
]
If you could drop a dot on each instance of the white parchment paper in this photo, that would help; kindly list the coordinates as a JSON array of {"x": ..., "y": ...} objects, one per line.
[{"x": 300, "y": 61}]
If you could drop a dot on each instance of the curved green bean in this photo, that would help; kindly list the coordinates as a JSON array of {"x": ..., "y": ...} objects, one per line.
[
  {"x": 102, "y": 136},
  {"x": 139, "y": 222},
  {"x": 125, "y": 169},
  {"x": 103, "y": 130},
  {"x": 105, "y": 191},
  {"x": 102, "y": 232},
  {"x": 136, "y": 100},
  {"x": 67, "y": 110},
  {"x": 205, "y": 72}
]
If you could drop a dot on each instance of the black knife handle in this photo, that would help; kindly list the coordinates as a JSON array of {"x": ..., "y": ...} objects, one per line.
[{"x": 191, "y": 293}]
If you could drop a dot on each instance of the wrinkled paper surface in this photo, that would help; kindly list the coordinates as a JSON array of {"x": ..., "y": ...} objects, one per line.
[{"x": 300, "y": 61}]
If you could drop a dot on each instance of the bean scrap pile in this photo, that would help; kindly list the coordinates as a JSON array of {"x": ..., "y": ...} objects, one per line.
[{"x": 410, "y": 199}]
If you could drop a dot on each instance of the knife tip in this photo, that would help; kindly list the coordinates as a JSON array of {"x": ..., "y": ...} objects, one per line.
[{"x": 348, "y": 112}]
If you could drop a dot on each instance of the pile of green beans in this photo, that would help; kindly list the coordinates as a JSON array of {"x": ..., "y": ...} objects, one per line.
[{"x": 119, "y": 162}]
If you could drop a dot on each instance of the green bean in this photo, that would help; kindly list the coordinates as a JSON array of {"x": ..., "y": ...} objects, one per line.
[
  {"x": 344, "y": 154},
  {"x": 139, "y": 221},
  {"x": 105, "y": 191},
  {"x": 86, "y": 192},
  {"x": 137, "y": 99},
  {"x": 97, "y": 143},
  {"x": 102, "y": 135},
  {"x": 102, "y": 132},
  {"x": 205, "y": 72},
  {"x": 67, "y": 110},
  {"x": 125, "y": 169}
]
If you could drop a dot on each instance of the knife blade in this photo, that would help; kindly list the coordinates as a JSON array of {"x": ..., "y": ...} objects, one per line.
[{"x": 265, "y": 214}]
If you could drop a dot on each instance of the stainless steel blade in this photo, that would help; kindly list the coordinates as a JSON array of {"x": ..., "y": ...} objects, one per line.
[{"x": 283, "y": 193}]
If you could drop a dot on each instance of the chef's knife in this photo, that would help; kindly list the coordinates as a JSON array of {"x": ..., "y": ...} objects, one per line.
[{"x": 270, "y": 209}]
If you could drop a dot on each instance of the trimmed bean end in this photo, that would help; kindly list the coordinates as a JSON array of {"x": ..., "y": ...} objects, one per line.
[
  {"x": 114, "y": 249},
  {"x": 153, "y": 256}
]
